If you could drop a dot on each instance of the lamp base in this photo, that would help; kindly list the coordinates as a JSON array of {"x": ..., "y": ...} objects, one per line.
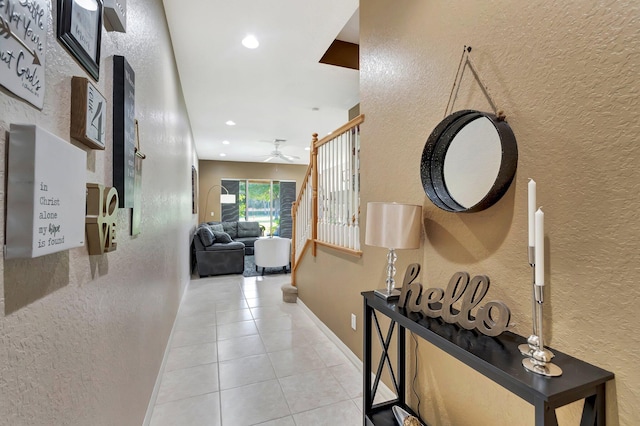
[{"x": 382, "y": 292}]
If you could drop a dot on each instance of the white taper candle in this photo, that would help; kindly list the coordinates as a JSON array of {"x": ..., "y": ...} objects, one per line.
[
  {"x": 532, "y": 211},
  {"x": 539, "y": 271}
]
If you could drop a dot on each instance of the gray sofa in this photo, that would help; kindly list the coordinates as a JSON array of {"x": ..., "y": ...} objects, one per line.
[
  {"x": 244, "y": 232},
  {"x": 219, "y": 248}
]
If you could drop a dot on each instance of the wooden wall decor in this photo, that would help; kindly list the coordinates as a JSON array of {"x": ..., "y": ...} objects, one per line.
[
  {"x": 88, "y": 113},
  {"x": 124, "y": 94},
  {"x": 23, "y": 48},
  {"x": 45, "y": 193},
  {"x": 136, "y": 211},
  {"x": 102, "y": 205}
]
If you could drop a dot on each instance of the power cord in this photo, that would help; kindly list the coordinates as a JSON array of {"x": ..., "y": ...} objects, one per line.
[{"x": 415, "y": 374}]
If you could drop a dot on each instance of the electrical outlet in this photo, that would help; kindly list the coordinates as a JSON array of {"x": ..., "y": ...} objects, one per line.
[
  {"x": 211, "y": 214},
  {"x": 353, "y": 321}
]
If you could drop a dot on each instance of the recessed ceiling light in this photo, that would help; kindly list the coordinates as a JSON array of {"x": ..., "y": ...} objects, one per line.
[
  {"x": 307, "y": 149},
  {"x": 225, "y": 142},
  {"x": 223, "y": 155},
  {"x": 230, "y": 123},
  {"x": 250, "y": 41}
]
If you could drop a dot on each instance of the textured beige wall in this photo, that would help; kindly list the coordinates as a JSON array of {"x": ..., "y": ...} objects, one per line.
[
  {"x": 566, "y": 74},
  {"x": 212, "y": 172},
  {"x": 82, "y": 337}
]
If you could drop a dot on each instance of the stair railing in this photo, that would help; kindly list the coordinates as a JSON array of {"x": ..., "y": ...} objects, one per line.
[{"x": 327, "y": 210}]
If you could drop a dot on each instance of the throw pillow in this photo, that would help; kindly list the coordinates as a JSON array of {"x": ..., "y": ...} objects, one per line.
[
  {"x": 249, "y": 229},
  {"x": 206, "y": 236},
  {"x": 217, "y": 227},
  {"x": 222, "y": 237},
  {"x": 231, "y": 228}
]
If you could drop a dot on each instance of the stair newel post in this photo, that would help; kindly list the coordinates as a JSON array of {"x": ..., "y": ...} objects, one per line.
[
  {"x": 314, "y": 214},
  {"x": 294, "y": 220}
]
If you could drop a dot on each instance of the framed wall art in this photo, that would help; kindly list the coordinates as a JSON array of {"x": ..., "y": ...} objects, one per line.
[
  {"x": 88, "y": 113},
  {"x": 80, "y": 30},
  {"x": 194, "y": 190},
  {"x": 124, "y": 132},
  {"x": 23, "y": 48},
  {"x": 45, "y": 207},
  {"x": 115, "y": 15}
]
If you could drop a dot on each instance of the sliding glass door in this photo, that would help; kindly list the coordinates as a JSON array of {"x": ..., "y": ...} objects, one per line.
[{"x": 260, "y": 200}]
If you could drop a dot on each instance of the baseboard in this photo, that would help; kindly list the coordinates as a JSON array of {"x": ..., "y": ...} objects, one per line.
[
  {"x": 156, "y": 386},
  {"x": 385, "y": 393}
]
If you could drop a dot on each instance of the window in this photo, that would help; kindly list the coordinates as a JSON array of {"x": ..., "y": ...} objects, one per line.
[{"x": 259, "y": 201}]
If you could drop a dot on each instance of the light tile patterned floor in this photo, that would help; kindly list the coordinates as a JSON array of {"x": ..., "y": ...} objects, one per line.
[{"x": 240, "y": 356}]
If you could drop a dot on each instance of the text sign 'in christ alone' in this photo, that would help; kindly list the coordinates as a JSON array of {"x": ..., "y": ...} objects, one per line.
[{"x": 46, "y": 193}]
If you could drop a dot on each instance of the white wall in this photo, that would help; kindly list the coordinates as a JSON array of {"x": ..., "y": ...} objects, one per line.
[{"x": 82, "y": 337}]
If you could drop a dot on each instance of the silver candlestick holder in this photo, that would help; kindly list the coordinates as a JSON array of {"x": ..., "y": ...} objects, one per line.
[
  {"x": 533, "y": 341},
  {"x": 539, "y": 361},
  {"x": 528, "y": 348}
]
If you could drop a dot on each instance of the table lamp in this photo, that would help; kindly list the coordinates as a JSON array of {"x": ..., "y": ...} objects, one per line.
[{"x": 393, "y": 226}]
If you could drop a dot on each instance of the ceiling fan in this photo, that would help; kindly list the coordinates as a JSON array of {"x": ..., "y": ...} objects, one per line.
[{"x": 276, "y": 153}]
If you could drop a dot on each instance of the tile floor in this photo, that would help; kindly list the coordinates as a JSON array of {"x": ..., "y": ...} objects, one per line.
[{"x": 240, "y": 356}]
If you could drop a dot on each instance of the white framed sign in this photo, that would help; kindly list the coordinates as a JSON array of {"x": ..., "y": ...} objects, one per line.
[
  {"x": 23, "y": 48},
  {"x": 115, "y": 15},
  {"x": 88, "y": 113},
  {"x": 46, "y": 193}
]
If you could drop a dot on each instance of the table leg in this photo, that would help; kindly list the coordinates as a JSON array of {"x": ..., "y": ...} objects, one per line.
[
  {"x": 545, "y": 414},
  {"x": 593, "y": 412}
]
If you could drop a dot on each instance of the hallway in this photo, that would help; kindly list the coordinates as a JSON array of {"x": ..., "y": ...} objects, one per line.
[{"x": 241, "y": 356}]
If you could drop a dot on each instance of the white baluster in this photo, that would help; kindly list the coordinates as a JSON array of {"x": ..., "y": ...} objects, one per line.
[
  {"x": 323, "y": 203},
  {"x": 344, "y": 191},
  {"x": 350, "y": 181},
  {"x": 356, "y": 195}
]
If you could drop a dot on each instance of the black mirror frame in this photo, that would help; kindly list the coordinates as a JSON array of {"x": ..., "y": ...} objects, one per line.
[{"x": 435, "y": 151}]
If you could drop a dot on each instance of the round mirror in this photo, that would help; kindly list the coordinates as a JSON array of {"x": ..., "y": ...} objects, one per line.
[{"x": 469, "y": 161}]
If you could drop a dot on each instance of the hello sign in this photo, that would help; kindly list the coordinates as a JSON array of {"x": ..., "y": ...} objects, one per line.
[{"x": 490, "y": 319}]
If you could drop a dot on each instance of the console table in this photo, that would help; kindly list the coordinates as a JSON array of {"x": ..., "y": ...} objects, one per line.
[{"x": 497, "y": 358}]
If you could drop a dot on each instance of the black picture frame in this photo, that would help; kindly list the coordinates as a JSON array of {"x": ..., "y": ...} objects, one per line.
[
  {"x": 124, "y": 130},
  {"x": 80, "y": 31},
  {"x": 194, "y": 190}
]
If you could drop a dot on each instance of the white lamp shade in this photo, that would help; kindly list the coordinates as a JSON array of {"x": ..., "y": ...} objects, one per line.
[
  {"x": 393, "y": 225},
  {"x": 227, "y": 199}
]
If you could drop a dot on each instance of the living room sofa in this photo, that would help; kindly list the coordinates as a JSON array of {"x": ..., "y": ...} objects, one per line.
[
  {"x": 217, "y": 252},
  {"x": 244, "y": 232}
]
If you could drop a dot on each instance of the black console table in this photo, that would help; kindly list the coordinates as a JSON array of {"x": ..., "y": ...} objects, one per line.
[{"x": 497, "y": 358}]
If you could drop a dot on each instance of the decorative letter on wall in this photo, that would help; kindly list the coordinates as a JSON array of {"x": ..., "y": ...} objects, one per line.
[
  {"x": 124, "y": 113},
  {"x": 45, "y": 193},
  {"x": 23, "y": 48},
  {"x": 88, "y": 113},
  {"x": 102, "y": 204}
]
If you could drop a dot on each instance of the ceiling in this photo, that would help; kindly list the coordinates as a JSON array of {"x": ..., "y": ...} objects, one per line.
[{"x": 276, "y": 91}]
